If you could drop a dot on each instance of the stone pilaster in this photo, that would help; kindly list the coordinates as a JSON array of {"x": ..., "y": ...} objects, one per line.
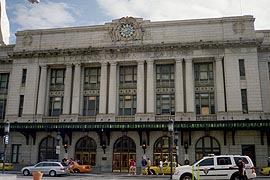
[
  {"x": 67, "y": 90},
  {"x": 112, "y": 89},
  {"x": 179, "y": 89},
  {"x": 220, "y": 85},
  {"x": 189, "y": 86},
  {"x": 42, "y": 90},
  {"x": 150, "y": 91},
  {"x": 103, "y": 88},
  {"x": 76, "y": 90},
  {"x": 140, "y": 87}
]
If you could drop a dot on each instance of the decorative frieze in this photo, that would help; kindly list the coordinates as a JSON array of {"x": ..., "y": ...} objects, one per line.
[
  {"x": 165, "y": 90},
  {"x": 90, "y": 92},
  {"x": 56, "y": 93},
  {"x": 127, "y": 91}
]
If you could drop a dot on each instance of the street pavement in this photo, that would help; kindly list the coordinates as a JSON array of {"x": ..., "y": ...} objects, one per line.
[{"x": 106, "y": 176}]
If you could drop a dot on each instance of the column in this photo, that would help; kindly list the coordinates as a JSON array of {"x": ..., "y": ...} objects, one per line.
[
  {"x": 179, "y": 90},
  {"x": 103, "y": 88},
  {"x": 220, "y": 85},
  {"x": 140, "y": 87},
  {"x": 67, "y": 89},
  {"x": 189, "y": 87},
  {"x": 42, "y": 90},
  {"x": 150, "y": 92},
  {"x": 112, "y": 88},
  {"x": 76, "y": 90}
]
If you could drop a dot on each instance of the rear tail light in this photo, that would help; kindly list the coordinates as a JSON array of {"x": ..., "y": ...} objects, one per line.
[
  {"x": 252, "y": 169},
  {"x": 62, "y": 168}
]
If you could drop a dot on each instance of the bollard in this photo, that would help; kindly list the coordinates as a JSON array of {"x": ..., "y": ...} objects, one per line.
[{"x": 37, "y": 175}]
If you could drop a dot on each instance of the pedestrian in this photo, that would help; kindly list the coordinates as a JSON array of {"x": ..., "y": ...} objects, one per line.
[
  {"x": 132, "y": 169},
  {"x": 268, "y": 161},
  {"x": 160, "y": 168},
  {"x": 144, "y": 164},
  {"x": 241, "y": 169},
  {"x": 148, "y": 166}
]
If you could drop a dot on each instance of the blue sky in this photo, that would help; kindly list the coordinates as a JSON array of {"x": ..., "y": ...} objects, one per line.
[{"x": 24, "y": 15}]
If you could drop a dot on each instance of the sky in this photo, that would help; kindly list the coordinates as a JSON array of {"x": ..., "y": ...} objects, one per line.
[{"x": 24, "y": 15}]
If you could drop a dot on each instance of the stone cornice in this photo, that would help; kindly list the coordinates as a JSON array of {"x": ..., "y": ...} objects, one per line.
[{"x": 134, "y": 48}]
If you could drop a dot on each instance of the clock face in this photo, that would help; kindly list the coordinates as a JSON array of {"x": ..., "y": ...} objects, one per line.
[{"x": 126, "y": 30}]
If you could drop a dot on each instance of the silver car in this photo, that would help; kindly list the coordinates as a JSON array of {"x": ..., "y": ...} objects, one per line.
[{"x": 47, "y": 168}]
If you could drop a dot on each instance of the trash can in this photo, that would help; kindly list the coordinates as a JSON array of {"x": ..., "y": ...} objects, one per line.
[{"x": 37, "y": 175}]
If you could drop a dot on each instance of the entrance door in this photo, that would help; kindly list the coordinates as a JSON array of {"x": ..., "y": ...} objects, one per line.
[{"x": 124, "y": 150}]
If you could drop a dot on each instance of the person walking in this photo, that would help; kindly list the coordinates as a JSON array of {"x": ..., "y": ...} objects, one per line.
[
  {"x": 144, "y": 164},
  {"x": 160, "y": 170},
  {"x": 241, "y": 169},
  {"x": 149, "y": 163}
]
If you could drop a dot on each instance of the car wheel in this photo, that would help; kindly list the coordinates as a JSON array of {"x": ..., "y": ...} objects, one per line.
[
  {"x": 52, "y": 173},
  {"x": 26, "y": 172},
  {"x": 234, "y": 177},
  {"x": 186, "y": 177},
  {"x": 76, "y": 170}
]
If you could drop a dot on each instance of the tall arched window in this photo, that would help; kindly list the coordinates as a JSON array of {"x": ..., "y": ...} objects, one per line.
[
  {"x": 47, "y": 149},
  {"x": 124, "y": 149},
  {"x": 161, "y": 150},
  {"x": 206, "y": 145},
  {"x": 85, "y": 150}
]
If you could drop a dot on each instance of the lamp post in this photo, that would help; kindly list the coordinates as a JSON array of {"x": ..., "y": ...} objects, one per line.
[
  {"x": 58, "y": 136},
  {"x": 176, "y": 144},
  {"x": 6, "y": 138},
  {"x": 170, "y": 129}
]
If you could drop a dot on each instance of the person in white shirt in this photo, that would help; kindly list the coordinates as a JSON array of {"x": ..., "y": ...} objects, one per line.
[{"x": 160, "y": 170}]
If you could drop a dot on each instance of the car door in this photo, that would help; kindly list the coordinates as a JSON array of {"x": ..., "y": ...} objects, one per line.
[
  {"x": 38, "y": 167},
  {"x": 205, "y": 169},
  {"x": 223, "y": 167}
]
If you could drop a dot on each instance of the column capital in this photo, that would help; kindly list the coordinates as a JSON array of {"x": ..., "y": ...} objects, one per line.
[
  {"x": 179, "y": 60},
  {"x": 104, "y": 63},
  {"x": 69, "y": 65},
  {"x": 189, "y": 60},
  {"x": 44, "y": 66},
  {"x": 113, "y": 63},
  {"x": 150, "y": 61},
  {"x": 218, "y": 58},
  {"x": 140, "y": 62},
  {"x": 77, "y": 64}
]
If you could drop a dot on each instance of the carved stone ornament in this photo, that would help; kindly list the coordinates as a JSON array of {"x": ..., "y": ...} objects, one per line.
[
  {"x": 239, "y": 27},
  {"x": 27, "y": 39},
  {"x": 126, "y": 28}
]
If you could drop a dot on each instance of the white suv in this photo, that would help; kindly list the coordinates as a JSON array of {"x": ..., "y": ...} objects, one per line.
[{"x": 215, "y": 167}]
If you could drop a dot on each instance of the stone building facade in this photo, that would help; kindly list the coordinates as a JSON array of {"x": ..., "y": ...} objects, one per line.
[{"x": 105, "y": 94}]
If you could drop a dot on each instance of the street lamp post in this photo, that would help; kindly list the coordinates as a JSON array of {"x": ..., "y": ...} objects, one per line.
[
  {"x": 170, "y": 129},
  {"x": 6, "y": 138},
  {"x": 176, "y": 144},
  {"x": 58, "y": 136}
]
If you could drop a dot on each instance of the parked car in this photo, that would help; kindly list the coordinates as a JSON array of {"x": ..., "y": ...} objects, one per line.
[
  {"x": 215, "y": 167},
  {"x": 8, "y": 166},
  {"x": 166, "y": 168},
  {"x": 265, "y": 171},
  {"x": 47, "y": 168},
  {"x": 79, "y": 168}
]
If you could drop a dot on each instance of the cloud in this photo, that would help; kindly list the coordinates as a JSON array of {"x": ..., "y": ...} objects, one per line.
[
  {"x": 162, "y": 10},
  {"x": 43, "y": 15}
]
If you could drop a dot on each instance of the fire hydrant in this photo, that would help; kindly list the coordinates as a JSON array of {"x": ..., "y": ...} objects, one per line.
[{"x": 37, "y": 175}]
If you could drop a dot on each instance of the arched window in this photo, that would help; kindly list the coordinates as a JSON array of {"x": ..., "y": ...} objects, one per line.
[
  {"x": 85, "y": 150},
  {"x": 47, "y": 149},
  {"x": 206, "y": 145},
  {"x": 124, "y": 149},
  {"x": 162, "y": 151}
]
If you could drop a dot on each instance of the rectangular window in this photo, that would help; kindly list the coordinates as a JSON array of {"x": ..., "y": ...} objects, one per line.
[
  {"x": 205, "y": 103},
  {"x": 24, "y": 72},
  {"x": 90, "y": 105},
  {"x": 21, "y": 105},
  {"x": 127, "y": 105},
  {"x": 242, "y": 69},
  {"x": 56, "y": 106},
  {"x": 3, "y": 103},
  {"x": 15, "y": 149},
  {"x": 164, "y": 74},
  {"x": 203, "y": 72},
  {"x": 244, "y": 101},
  {"x": 165, "y": 104},
  {"x": 92, "y": 76},
  {"x": 4, "y": 77},
  {"x": 57, "y": 77},
  {"x": 128, "y": 75}
]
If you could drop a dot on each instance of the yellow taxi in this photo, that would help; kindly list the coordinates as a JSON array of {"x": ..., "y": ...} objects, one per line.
[
  {"x": 166, "y": 168},
  {"x": 75, "y": 167},
  {"x": 265, "y": 171},
  {"x": 8, "y": 166}
]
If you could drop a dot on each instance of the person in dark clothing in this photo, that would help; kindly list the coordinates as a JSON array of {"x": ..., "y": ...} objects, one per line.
[{"x": 241, "y": 169}]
